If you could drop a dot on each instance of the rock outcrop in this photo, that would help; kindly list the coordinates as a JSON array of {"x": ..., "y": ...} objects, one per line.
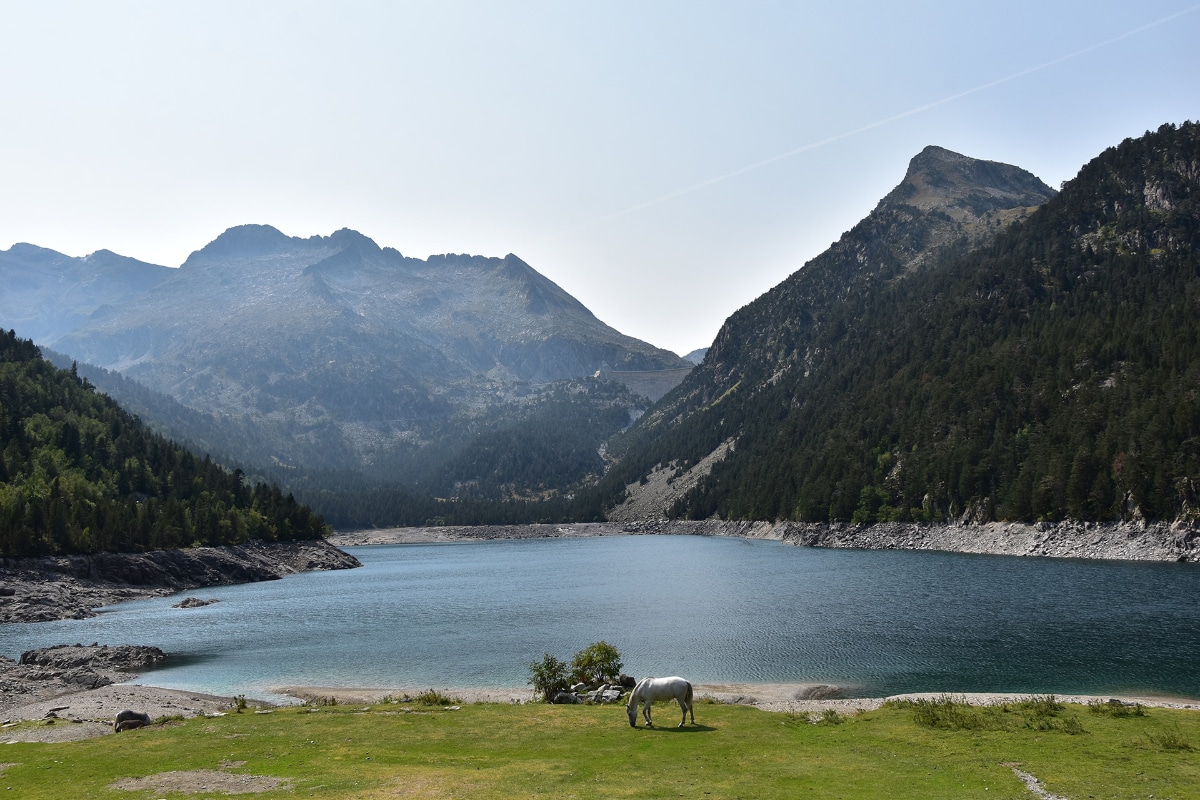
[
  {"x": 71, "y": 587},
  {"x": 54, "y": 671}
]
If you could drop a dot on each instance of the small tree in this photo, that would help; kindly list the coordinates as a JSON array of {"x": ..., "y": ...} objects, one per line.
[
  {"x": 597, "y": 663},
  {"x": 548, "y": 676}
]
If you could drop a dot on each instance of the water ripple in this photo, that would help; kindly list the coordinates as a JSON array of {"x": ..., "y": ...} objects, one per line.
[{"x": 879, "y": 622}]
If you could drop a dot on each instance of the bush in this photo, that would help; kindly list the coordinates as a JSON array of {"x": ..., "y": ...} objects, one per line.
[
  {"x": 432, "y": 697},
  {"x": 1115, "y": 708},
  {"x": 548, "y": 676},
  {"x": 597, "y": 663}
]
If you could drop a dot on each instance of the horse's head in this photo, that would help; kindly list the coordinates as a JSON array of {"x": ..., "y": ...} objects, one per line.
[{"x": 635, "y": 697}]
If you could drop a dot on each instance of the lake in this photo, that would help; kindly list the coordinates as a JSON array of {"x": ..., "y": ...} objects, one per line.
[{"x": 712, "y": 609}]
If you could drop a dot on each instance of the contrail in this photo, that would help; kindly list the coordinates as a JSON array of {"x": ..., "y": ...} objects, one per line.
[{"x": 871, "y": 126}]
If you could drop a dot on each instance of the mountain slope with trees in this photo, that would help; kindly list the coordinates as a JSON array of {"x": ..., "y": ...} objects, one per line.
[
  {"x": 1049, "y": 374},
  {"x": 80, "y": 475}
]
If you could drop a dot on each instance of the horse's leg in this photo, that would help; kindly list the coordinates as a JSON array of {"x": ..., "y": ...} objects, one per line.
[
  {"x": 683, "y": 707},
  {"x": 646, "y": 711}
]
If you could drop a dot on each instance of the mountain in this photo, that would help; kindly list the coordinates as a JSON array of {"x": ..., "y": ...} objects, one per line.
[
  {"x": 341, "y": 354},
  {"x": 1050, "y": 374},
  {"x": 47, "y": 294},
  {"x": 696, "y": 356},
  {"x": 768, "y": 358},
  {"x": 80, "y": 475}
]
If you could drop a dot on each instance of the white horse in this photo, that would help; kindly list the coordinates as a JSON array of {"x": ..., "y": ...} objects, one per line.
[{"x": 650, "y": 689}]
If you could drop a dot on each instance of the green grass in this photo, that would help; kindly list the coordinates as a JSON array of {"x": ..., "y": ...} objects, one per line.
[{"x": 497, "y": 750}]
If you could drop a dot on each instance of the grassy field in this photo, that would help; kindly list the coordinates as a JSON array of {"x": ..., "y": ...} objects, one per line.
[{"x": 394, "y": 750}]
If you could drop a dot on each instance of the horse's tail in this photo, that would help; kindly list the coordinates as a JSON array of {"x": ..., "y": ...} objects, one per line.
[{"x": 688, "y": 695}]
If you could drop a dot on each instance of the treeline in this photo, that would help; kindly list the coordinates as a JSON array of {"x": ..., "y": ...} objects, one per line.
[
  {"x": 537, "y": 449},
  {"x": 80, "y": 475},
  {"x": 348, "y": 503},
  {"x": 540, "y": 447},
  {"x": 1053, "y": 374},
  {"x": 536, "y": 462}
]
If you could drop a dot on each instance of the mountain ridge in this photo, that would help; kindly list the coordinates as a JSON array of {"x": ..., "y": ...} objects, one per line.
[
  {"x": 894, "y": 240},
  {"x": 371, "y": 357},
  {"x": 1048, "y": 374}
]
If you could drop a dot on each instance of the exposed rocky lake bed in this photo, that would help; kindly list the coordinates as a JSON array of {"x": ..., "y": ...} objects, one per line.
[
  {"x": 1127, "y": 541},
  {"x": 72, "y": 587}
]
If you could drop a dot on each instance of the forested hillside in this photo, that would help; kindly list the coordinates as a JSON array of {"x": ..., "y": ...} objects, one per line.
[
  {"x": 1051, "y": 374},
  {"x": 80, "y": 475}
]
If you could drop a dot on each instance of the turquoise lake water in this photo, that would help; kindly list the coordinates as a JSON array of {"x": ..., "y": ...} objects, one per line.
[{"x": 711, "y": 609}]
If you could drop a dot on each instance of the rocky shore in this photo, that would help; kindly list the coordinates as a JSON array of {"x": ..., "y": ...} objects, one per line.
[
  {"x": 71, "y": 587},
  {"x": 50, "y": 672},
  {"x": 1119, "y": 541},
  {"x": 70, "y": 692}
]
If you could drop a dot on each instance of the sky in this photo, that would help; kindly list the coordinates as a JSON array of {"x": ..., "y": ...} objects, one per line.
[{"x": 664, "y": 162}]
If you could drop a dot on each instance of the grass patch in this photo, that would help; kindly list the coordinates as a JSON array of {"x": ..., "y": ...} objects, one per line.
[
  {"x": 432, "y": 697},
  {"x": 1115, "y": 708},
  {"x": 501, "y": 751},
  {"x": 950, "y": 713},
  {"x": 1170, "y": 739}
]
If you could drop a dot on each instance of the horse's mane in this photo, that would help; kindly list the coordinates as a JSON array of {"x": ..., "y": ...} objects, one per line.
[{"x": 637, "y": 688}]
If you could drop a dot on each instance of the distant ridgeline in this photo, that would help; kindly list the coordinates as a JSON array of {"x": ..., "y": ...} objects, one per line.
[
  {"x": 80, "y": 475},
  {"x": 1053, "y": 372}
]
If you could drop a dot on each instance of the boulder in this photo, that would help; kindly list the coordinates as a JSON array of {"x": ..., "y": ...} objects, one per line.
[{"x": 194, "y": 602}]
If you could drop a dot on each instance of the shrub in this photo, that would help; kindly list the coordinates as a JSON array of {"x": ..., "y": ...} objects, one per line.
[
  {"x": 1040, "y": 705},
  {"x": 1115, "y": 708},
  {"x": 948, "y": 713},
  {"x": 597, "y": 663},
  {"x": 830, "y": 716},
  {"x": 1169, "y": 740},
  {"x": 548, "y": 676},
  {"x": 432, "y": 697}
]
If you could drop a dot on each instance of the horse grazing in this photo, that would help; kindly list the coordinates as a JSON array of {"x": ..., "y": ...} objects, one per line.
[{"x": 650, "y": 689}]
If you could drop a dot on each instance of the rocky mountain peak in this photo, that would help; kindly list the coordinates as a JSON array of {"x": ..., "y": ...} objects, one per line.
[
  {"x": 25, "y": 253},
  {"x": 940, "y": 179},
  {"x": 242, "y": 241},
  {"x": 347, "y": 237}
]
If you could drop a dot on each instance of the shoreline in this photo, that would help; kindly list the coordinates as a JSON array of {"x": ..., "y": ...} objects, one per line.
[
  {"x": 48, "y": 588},
  {"x": 88, "y": 713},
  {"x": 1119, "y": 541},
  {"x": 775, "y": 697}
]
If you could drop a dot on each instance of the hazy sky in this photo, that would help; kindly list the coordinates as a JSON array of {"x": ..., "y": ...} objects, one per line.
[{"x": 664, "y": 162}]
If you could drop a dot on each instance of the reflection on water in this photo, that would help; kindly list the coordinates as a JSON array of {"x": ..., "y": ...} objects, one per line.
[{"x": 713, "y": 609}]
